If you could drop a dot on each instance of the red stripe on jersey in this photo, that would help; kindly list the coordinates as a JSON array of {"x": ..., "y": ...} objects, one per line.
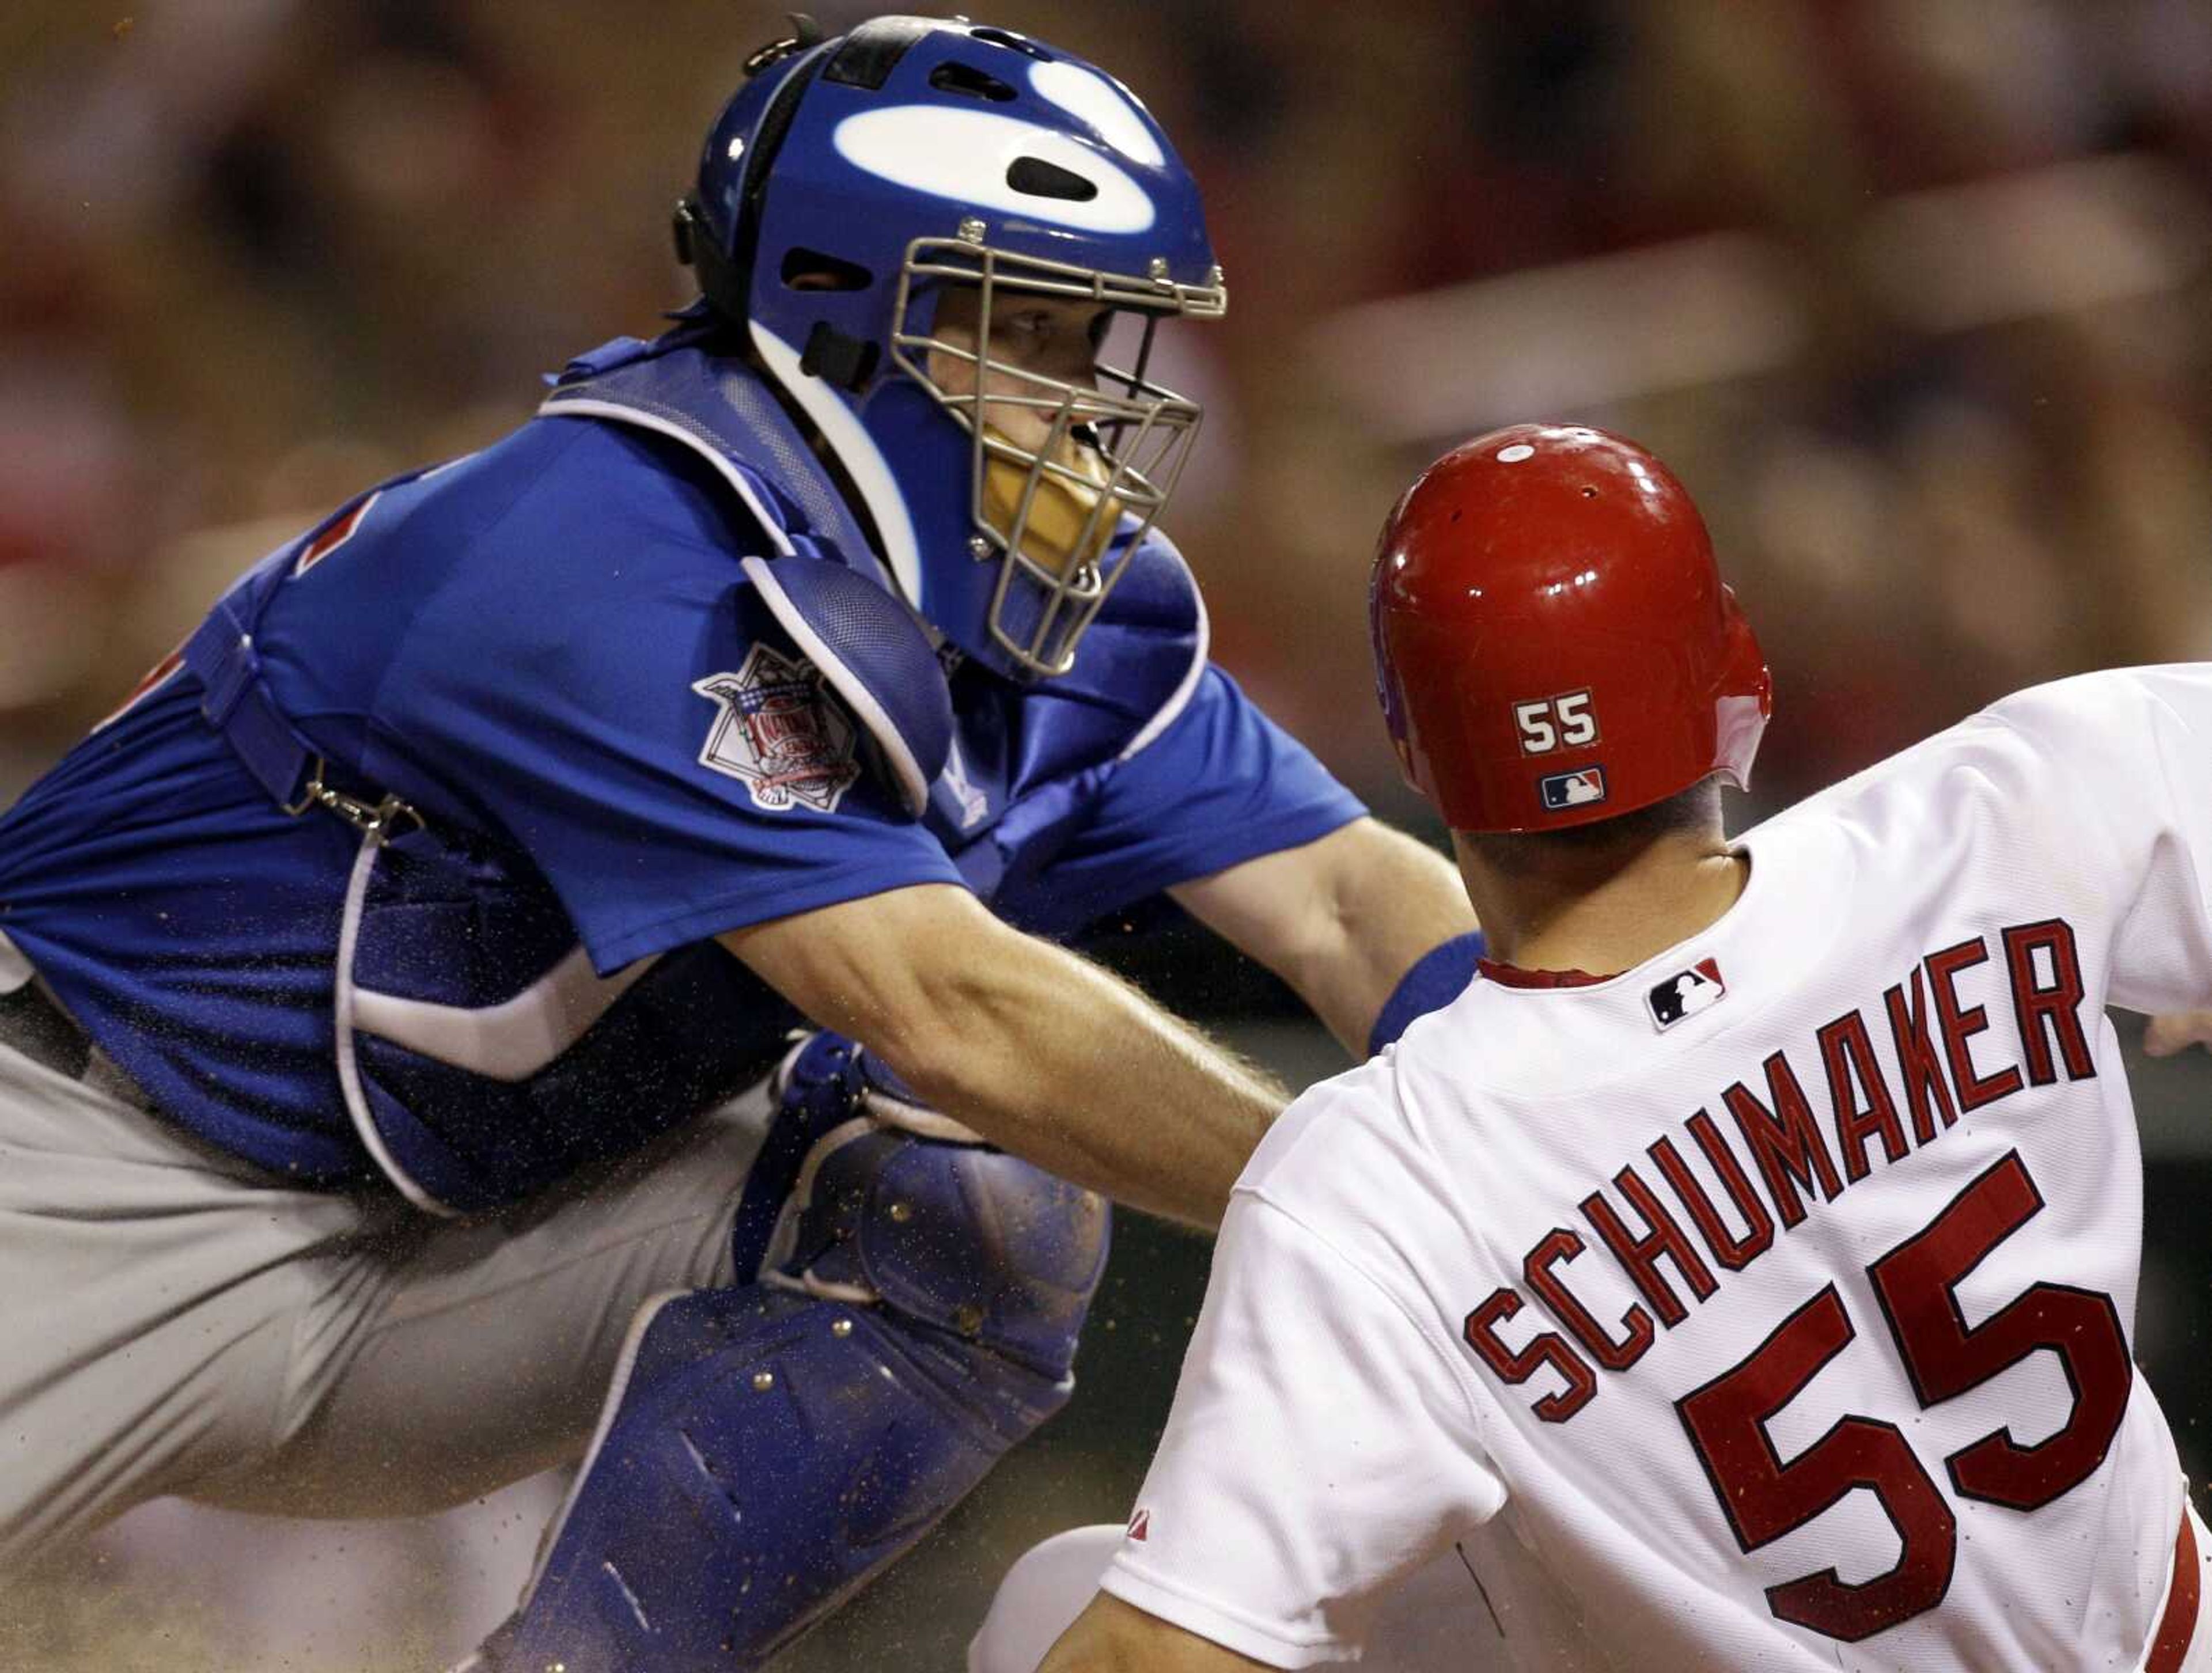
[
  {"x": 339, "y": 531},
  {"x": 1512, "y": 975},
  {"x": 2178, "y": 1624},
  {"x": 158, "y": 675}
]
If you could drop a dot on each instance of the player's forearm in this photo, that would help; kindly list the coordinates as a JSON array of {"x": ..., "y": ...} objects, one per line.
[
  {"x": 1040, "y": 1052},
  {"x": 1055, "y": 1059},
  {"x": 1395, "y": 900},
  {"x": 1341, "y": 920}
]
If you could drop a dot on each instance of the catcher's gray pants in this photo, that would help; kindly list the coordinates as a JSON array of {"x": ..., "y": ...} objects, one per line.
[{"x": 175, "y": 1321}]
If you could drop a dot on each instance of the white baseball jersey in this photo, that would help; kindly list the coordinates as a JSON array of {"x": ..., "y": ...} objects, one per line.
[{"x": 1772, "y": 1301}]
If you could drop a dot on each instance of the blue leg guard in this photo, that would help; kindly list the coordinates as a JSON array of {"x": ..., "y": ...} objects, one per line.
[{"x": 767, "y": 1450}]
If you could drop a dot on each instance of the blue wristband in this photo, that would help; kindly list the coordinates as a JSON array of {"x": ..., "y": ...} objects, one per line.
[{"x": 1439, "y": 977}]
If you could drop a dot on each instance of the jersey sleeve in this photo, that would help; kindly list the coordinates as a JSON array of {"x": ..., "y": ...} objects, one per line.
[
  {"x": 1320, "y": 1447},
  {"x": 1222, "y": 784},
  {"x": 664, "y": 756},
  {"x": 2129, "y": 766}
]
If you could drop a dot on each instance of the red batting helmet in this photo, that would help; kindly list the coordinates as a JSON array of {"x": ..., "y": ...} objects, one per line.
[{"x": 1553, "y": 644}]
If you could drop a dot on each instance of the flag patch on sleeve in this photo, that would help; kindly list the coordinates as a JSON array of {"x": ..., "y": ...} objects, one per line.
[{"x": 779, "y": 733}]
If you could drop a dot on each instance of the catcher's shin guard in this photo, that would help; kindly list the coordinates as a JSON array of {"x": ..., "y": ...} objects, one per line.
[
  {"x": 766, "y": 1450},
  {"x": 762, "y": 1456}
]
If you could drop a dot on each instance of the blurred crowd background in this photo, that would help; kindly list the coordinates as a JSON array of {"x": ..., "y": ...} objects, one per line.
[{"x": 1913, "y": 294}]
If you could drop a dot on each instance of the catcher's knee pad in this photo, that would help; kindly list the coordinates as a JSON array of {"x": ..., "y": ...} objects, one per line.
[
  {"x": 954, "y": 1238},
  {"x": 863, "y": 1195},
  {"x": 761, "y": 1454}
]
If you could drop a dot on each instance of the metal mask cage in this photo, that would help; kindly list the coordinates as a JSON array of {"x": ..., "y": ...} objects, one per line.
[{"x": 1139, "y": 431}]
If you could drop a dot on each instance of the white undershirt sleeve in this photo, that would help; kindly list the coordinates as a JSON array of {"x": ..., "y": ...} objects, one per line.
[{"x": 1322, "y": 1445}]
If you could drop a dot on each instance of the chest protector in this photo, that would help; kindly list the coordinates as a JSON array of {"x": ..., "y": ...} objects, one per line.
[{"x": 480, "y": 1055}]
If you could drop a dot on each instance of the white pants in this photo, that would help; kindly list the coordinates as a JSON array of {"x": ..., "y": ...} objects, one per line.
[
  {"x": 1440, "y": 1620},
  {"x": 175, "y": 1321}
]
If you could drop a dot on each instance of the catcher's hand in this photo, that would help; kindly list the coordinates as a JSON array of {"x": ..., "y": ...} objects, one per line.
[{"x": 2177, "y": 1032}]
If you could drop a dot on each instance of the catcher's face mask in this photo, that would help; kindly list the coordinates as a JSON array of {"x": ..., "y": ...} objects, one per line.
[{"x": 1071, "y": 460}]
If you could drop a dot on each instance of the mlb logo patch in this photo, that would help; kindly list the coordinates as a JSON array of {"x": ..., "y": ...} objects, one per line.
[
  {"x": 779, "y": 733},
  {"x": 1571, "y": 790},
  {"x": 1686, "y": 993},
  {"x": 1140, "y": 1525}
]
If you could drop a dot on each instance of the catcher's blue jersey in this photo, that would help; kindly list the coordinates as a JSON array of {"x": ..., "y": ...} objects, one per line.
[{"x": 550, "y": 650}]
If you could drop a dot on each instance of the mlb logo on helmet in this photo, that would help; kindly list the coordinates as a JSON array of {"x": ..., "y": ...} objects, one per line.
[
  {"x": 1686, "y": 993},
  {"x": 1571, "y": 790}
]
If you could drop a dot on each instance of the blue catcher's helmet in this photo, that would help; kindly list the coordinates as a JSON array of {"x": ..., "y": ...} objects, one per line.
[{"x": 850, "y": 186}]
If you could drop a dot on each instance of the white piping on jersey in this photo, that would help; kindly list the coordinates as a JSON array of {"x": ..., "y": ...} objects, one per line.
[
  {"x": 349, "y": 1062},
  {"x": 1179, "y": 699},
  {"x": 509, "y": 1041},
  {"x": 440, "y": 470},
  {"x": 585, "y": 407},
  {"x": 914, "y": 788},
  {"x": 863, "y": 461}
]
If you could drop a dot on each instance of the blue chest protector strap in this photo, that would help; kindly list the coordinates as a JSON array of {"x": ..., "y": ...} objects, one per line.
[
  {"x": 235, "y": 699},
  {"x": 825, "y": 586}
]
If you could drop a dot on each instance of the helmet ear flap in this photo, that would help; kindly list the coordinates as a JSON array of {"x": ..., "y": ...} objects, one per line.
[
  {"x": 1746, "y": 698},
  {"x": 1748, "y": 674}
]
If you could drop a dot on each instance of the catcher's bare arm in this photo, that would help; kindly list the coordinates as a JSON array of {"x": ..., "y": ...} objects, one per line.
[
  {"x": 1042, "y": 1054},
  {"x": 1340, "y": 920}
]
